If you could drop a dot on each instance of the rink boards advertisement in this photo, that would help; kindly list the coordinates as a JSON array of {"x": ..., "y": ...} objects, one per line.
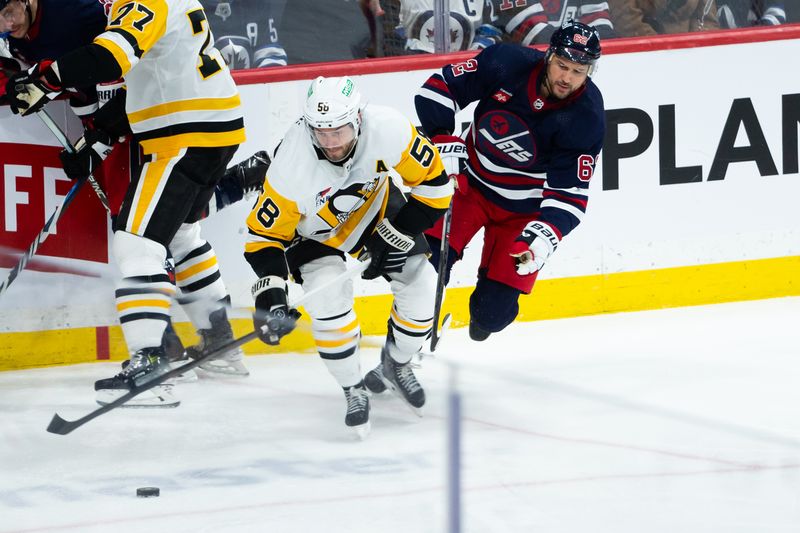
[{"x": 693, "y": 201}]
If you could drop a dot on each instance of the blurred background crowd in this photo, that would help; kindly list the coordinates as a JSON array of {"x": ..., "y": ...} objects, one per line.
[{"x": 266, "y": 33}]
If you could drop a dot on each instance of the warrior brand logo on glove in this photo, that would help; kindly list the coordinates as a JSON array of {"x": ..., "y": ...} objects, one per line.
[{"x": 390, "y": 235}]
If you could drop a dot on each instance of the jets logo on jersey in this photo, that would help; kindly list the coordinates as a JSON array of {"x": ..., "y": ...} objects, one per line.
[
  {"x": 504, "y": 138},
  {"x": 502, "y": 96}
]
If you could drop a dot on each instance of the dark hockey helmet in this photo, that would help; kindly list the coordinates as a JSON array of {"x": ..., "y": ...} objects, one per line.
[{"x": 576, "y": 42}]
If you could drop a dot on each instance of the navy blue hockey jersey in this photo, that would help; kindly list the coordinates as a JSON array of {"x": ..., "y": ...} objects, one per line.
[
  {"x": 61, "y": 27},
  {"x": 527, "y": 153}
]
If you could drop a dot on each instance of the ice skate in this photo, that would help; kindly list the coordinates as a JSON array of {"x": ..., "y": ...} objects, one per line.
[
  {"x": 176, "y": 356},
  {"x": 399, "y": 379},
  {"x": 230, "y": 363},
  {"x": 357, "y": 409},
  {"x": 143, "y": 366}
]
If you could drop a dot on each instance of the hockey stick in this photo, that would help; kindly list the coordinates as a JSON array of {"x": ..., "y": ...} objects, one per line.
[
  {"x": 60, "y": 426},
  {"x": 62, "y": 138},
  {"x": 54, "y": 218},
  {"x": 40, "y": 238},
  {"x": 444, "y": 253}
]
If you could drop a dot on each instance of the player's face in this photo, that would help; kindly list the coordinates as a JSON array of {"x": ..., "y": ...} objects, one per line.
[
  {"x": 14, "y": 19},
  {"x": 335, "y": 142},
  {"x": 564, "y": 77}
]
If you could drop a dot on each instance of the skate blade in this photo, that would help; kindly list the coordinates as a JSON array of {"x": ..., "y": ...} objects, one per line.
[
  {"x": 223, "y": 368},
  {"x": 363, "y": 430},
  {"x": 186, "y": 377},
  {"x": 389, "y": 385},
  {"x": 158, "y": 397}
]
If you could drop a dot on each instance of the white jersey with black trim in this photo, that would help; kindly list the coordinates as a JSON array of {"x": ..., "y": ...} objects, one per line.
[
  {"x": 339, "y": 206},
  {"x": 180, "y": 92}
]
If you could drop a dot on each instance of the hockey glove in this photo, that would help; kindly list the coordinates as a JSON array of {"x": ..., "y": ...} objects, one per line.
[
  {"x": 28, "y": 91},
  {"x": 242, "y": 179},
  {"x": 273, "y": 319},
  {"x": 532, "y": 248},
  {"x": 90, "y": 151},
  {"x": 453, "y": 152},
  {"x": 388, "y": 250}
]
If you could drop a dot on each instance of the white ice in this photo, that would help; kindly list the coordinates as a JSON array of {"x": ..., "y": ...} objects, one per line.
[{"x": 671, "y": 421}]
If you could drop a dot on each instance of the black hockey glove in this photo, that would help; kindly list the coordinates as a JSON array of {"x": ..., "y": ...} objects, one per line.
[
  {"x": 273, "y": 318},
  {"x": 29, "y": 90},
  {"x": 388, "y": 249},
  {"x": 90, "y": 151},
  {"x": 241, "y": 179}
]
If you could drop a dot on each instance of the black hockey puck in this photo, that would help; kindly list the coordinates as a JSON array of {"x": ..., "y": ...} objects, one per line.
[{"x": 148, "y": 492}]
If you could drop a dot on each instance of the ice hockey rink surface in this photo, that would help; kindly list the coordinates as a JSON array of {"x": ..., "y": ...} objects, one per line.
[{"x": 671, "y": 421}]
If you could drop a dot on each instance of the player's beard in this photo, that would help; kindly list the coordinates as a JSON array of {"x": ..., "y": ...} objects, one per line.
[
  {"x": 551, "y": 92},
  {"x": 341, "y": 152}
]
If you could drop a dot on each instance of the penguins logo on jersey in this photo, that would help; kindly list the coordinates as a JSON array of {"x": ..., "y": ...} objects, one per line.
[
  {"x": 505, "y": 139},
  {"x": 344, "y": 202}
]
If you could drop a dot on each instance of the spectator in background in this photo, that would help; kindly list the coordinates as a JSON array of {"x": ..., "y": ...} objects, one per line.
[
  {"x": 744, "y": 13},
  {"x": 531, "y": 21},
  {"x": 333, "y": 30},
  {"x": 246, "y": 31},
  {"x": 469, "y": 20},
  {"x": 633, "y": 18}
]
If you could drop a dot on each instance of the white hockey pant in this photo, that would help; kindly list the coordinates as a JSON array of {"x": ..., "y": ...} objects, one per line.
[
  {"x": 411, "y": 319},
  {"x": 144, "y": 294},
  {"x": 334, "y": 324}
]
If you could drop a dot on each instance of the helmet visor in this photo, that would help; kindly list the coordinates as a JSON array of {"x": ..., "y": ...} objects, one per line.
[
  {"x": 335, "y": 142},
  {"x": 575, "y": 55}
]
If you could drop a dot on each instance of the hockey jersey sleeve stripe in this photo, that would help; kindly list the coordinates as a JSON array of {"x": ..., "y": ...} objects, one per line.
[
  {"x": 578, "y": 201},
  {"x": 252, "y": 247},
  {"x": 118, "y": 49},
  {"x": 255, "y": 237},
  {"x": 524, "y": 194},
  {"x": 569, "y": 208},
  {"x": 131, "y": 40},
  {"x": 432, "y": 192},
  {"x": 195, "y": 104},
  {"x": 535, "y": 11},
  {"x": 445, "y": 101}
]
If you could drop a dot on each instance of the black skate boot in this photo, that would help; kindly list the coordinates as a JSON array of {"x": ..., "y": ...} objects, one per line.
[
  {"x": 176, "y": 355},
  {"x": 357, "y": 409},
  {"x": 398, "y": 378},
  {"x": 143, "y": 366},
  {"x": 228, "y": 364},
  {"x": 477, "y": 333}
]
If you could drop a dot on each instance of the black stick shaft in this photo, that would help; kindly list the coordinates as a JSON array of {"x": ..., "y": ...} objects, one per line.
[
  {"x": 61, "y": 426},
  {"x": 444, "y": 252}
]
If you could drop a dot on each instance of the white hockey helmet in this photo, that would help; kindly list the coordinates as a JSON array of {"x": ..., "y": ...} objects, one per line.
[{"x": 332, "y": 103}]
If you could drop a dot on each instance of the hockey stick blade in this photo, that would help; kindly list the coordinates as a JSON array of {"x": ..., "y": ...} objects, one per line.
[{"x": 60, "y": 426}]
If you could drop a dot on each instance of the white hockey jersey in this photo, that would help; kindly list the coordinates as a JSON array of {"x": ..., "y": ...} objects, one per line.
[
  {"x": 180, "y": 92},
  {"x": 416, "y": 18},
  {"x": 339, "y": 206}
]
